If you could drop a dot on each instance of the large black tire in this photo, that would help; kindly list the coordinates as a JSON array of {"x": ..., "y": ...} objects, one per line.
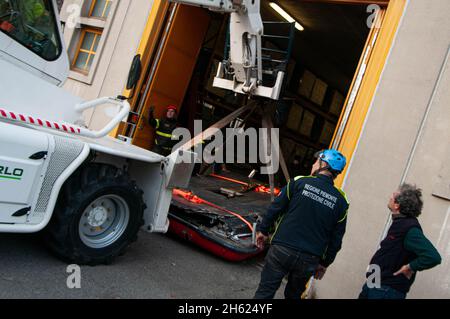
[{"x": 92, "y": 182}]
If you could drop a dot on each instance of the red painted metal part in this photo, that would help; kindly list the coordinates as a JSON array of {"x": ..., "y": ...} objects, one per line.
[
  {"x": 229, "y": 179},
  {"x": 187, "y": 233},
  {"x": 266, "y": 190},
  {"x": 197, "y": 200},
  {"x": 259, "y": 188},
  {"x": 40, "y": 122}
]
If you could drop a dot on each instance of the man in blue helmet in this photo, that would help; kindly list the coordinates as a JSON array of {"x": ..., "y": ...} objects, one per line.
[{"x": 309, "y": 216}]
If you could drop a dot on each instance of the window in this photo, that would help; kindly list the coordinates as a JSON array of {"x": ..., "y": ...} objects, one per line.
[
  {"x": 99, "y": 8},
  {"x": 87, "y": 40},
  {"x": 86, "y": 51},
  {"x": 33, "y": 24}
]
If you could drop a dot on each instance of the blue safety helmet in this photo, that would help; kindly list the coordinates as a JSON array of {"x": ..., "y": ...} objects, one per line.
[{"x": 335, "y": 160}]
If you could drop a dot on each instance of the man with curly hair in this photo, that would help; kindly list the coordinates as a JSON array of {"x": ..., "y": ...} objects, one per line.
[{"x": 404, "y": 251}]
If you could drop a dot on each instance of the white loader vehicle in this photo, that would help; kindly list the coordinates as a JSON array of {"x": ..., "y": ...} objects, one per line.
[{"x": 89, "y": 192}]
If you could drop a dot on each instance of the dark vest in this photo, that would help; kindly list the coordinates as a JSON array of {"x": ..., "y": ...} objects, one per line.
[
  {"x": 164, "y": 133},
  {"x": 392, "y": 255}
]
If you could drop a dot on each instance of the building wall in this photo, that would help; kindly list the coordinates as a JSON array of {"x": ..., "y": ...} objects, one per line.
[
  {"x": 386, "y": 155},
  {"x": 122, "y": 34}
]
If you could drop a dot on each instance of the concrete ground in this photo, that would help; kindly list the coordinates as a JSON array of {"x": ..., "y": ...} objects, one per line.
[{"x": 156, "y": 266}]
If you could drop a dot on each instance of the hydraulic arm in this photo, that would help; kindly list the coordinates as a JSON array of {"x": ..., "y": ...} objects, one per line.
[{"x": 242, "y": 71}]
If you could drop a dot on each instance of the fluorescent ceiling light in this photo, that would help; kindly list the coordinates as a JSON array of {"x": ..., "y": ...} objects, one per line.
[{"x": 286, "y": 15}]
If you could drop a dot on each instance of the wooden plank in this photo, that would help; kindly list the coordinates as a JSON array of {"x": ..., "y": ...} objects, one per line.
[
  {"x": 210, "y": 131},
  {"x": 267, "y": 123}
]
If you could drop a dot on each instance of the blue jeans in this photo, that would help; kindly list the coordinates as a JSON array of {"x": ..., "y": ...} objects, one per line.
[
  {"x": 282, "y": 261},
  {"x": 384, "y": 292}
]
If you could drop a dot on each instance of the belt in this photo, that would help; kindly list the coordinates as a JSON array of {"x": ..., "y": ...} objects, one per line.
[{"x": 299, "y": 253}]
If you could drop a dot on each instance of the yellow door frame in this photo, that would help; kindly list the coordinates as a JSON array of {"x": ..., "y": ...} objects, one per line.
[
  {"x": 380, "y": 42},
  {"x": 146, "y": 48},
  {"x": 173, "y": 69},
  {"x": 148, "y": 42}
]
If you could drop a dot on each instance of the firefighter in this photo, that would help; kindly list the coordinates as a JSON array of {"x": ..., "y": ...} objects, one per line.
[
  {"x": 5, "y": 14},
  {"x": 30, "y": 12},
  {"x": 164, "y": 128},
  {"x": 310, "y": 216}
]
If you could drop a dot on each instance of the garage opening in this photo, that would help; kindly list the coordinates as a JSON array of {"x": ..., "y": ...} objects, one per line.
[
  {"x": 324, "y": 57},
  {"x": 324, "y": 54}
]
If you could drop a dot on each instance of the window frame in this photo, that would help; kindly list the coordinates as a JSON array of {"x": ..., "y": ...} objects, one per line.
[
  {"x": 72, "y": 36},
  {"x": 91, "y": 9},
  {"x": 98, "y": 33}
]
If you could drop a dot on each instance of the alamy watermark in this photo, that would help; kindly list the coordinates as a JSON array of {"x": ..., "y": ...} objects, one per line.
[
  {"x": 237, "y": 145},
  {"x": 373, "y": 279},
  {"x": 73, "y": 12},
  {"x": 372, "y": 21},
  {"x": 73, "y": 16},
  {"x": 74, "y": 278}
]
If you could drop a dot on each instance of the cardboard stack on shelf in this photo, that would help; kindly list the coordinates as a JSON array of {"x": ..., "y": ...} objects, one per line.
[
  {"x": 327, "y": 133},
  {"x": 295, "y": 117},
  {"x": 309, "y": 125},
  {"x": 318, "y": 92},
  {"x": 306, "y": 84},
  {"x": 337, "y": 102}
]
